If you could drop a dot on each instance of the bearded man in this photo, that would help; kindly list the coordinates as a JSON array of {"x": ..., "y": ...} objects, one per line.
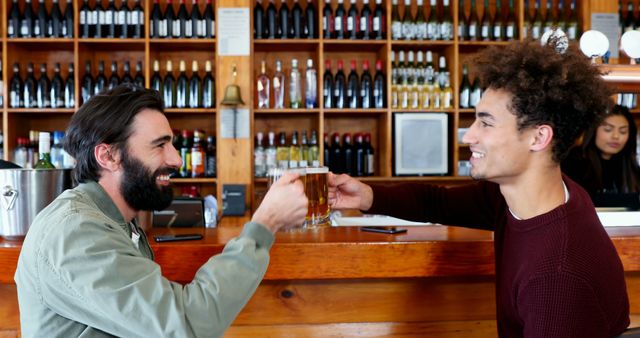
[{"x": 86, "y": 268}]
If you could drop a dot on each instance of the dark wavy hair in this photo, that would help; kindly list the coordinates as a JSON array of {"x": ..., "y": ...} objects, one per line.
[
  {"x": 564, "y": 91},
  {"x": 627, "y": 156},
  {"x": 105, "y": 118}
]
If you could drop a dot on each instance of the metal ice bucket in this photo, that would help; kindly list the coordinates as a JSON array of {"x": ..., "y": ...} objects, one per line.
[{"x": 24, "y": 193}]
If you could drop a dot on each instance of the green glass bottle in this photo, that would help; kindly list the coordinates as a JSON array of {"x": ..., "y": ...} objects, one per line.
[{"x": 44, "y": 151}]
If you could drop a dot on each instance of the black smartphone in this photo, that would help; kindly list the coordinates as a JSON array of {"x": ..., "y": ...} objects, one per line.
[
  {"x": 180, "y": 237},
  {"x": 384, "y": 230}
]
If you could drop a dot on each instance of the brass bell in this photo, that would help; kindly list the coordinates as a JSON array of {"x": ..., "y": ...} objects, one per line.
[{"x": 232, "y": 92}]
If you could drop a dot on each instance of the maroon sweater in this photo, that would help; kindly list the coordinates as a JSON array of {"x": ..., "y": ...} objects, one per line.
[{"x": 557, "y": 274}]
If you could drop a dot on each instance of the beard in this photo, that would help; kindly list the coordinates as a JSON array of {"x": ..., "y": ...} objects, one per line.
[{"x": 139, "y": 187}]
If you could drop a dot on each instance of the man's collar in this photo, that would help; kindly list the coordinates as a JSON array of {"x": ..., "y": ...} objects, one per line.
[{"x": 100, "y": 197}]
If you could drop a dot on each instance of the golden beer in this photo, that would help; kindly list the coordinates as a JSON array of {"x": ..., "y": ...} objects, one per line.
[{"x": 317, "y": 191}]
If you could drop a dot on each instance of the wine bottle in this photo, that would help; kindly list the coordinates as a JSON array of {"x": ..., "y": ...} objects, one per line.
[
  {"x": 260, "y": 157},
  {"x": 67, "y": 21},
  {"x": 465, "y": 88},
  {"x": 497, "y": 31},
  {"x": 111, "y": 19},
  {"x": 123, "y": 21},
  {"x": 278, "y": 86},
  {"x": 29, "y": 93},
  {"x": 366, "y": 87},
  {"x": 430, "y": 29},
  {"x": 511, "y": 30},
  {"x": 40, "y": 23},
  {"x": 379, "y": 85},
  {"x": 157, "y": 24},
  {"x": 88, "y": 85},
  {"x": 358, "y": 155},
  {"x": 26, "y": 23},
  {"x": 294, "y": 151},
  {"x": 208, "y": 87},
  {"x": 136, "y": 21},
  {"x": 304, "y": 150},
  {"x": 169, "y": 21},
  {"x": 369, "y": 155},
  {"x": 70, "y": 89},
  {"x": 259, "y": 19},
  {"x": 340, "y": 88},
  {"x": 56, "y": 92},
  {"x": 311, "y": 86},
  {"x": 396, "y": 23},
  {"x": 179, "y": 25},
  {"x": 352, "y": 30},
  {"x": 547, "y": 24},
  {"x": 295, "y": 86},
  {"x": 340, "y": 21},
  {"x": 353, "y": 87},
  {"x": 16, "y": 88},
  {"x": 328, "y": 21},
  {"x": 210, "y": 159},
  {"x": 156, "y": 80},
  {"x": 475, "y": 93},
  {"x": 366, "y": 23},
  {"x": 463, "y": 29},
  {"x": 209, "y": 21},
  {"x": 347, "y": 155},
  {"x": 138, "y": 79},
  {"x": 408, "y": 26},
  {"x": 272, "y": 21},
  {"x": 314, "y": 150},
  {"x": 193, "y": 27},
  {"x": 474, "y": 28},
  {"x": 44, "y": 151},
  {"x": 182, "y": 86},
  {"x": 92, "y": 20},
  {"x": 100, "y": 24},
  {"x": 310, "y": 26},
  {"x": 43, "y": 89},
  {"x": 197, "y": 154},
  {"x": 13, "y": 26},
  {"x": 446, "y": 24},
  {"x": 169, "y": 87},
  {"x": 327, "y": 85},
  {"x": 126, "y": 76},
  {"x": 297, "y": 26},
  {"x": 284, "y": 25},
  {"x": 379, "y": 22},
  {"x": 485, "y": 22},
  {"x": 263, "y": 86},
  {"x": 101, "y": 79},
  {"x": 335, "y": 155},
  {"x": 114, "y": 79},
  {"x": 195, "y": 87},
  {"x": 572, "y": 22}
]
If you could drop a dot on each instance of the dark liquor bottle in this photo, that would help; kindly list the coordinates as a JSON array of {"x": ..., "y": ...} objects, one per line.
[
  {"x": 379, "y": 85},
  {"x": 13, "y": 26},
  {"x": 195, "y": 87},
  {"x": 15, "y": 88},
  {"x": 326, "y": 152},
  {"x": 379, "y": 23},
  {"x": 208, "y": 87},
  {"x": 70, "y": 89},
  {"x": 67, "y": 21},
  {"x": 335, "y": 155},
  {"x": 138, "y": 80},
  {"x": 366, "y": 87},
  {"x": 310, "y": 25},
  {"x": 348, "y": 160},
  {"x": 353, "y": 87},
  {"x": 101, "y": 79},
  {"x": 43, "y": 88},
  {"x": 327, "y": 85},
  {"x": 366, "y": 23},
  {"x": 474, "y": 23},
  {"x": 26, "y": 23},
  {"x": 136, "y": 23},
  {"x": 463, "y": 29},
  {"x": 259, "y": 31},
  {"x": 29, "y": 89},
  {"x": 339, "y": 88},
  {"x": 182, "y": 86},
  {"x": 297, "y": 24},
  {"x": 284, "y": 26},
  {"x": 209, "y": 22},
  {"x": 156, "y": 24},
  {"x": 192, "y": 28},
  {"x": 352, "y": 31},
  {"x": 359, "y": 156},
  {"x": 40, "y": 23},
  {"x": 88, "y": 86},
  {"x": 110, "y": 20},
  {"x": 169, "y": 87},
  {"x": 123, "y": 21},
  {"x": 328, "y": 21},
  {"x": 56, "y": 93},
  {"x": 271, "y": 28},
  {"x": 210, "y": 161},
  {"x": 368, "y": 152},
  {"x": 156, "y": 80},
  {"x": 340, "y": 21},
  {"x": 126, "y": 77},
  {"x": 114, "y": 79},
  {"x": 169, "y": 21},
  {"x": 180, "y": 24},
  {"x": 100, "y": 25},
  {"x": 55, "y": 20},
  {"x": 91, "y": 19}
]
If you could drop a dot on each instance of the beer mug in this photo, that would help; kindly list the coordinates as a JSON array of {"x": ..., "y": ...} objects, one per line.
[
  {"x": 274, "y": 175},
  {"x": 317, "y": 192}
]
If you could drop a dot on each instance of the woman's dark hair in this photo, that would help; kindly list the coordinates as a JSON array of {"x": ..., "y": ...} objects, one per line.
[
  {"x": 562, "y": 90},
  {"x": 627, "y": 156},
  {"x": 105, "y": 118}
]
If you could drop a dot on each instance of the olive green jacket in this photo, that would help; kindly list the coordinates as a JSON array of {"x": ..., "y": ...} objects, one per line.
[{"x": 80, "y": 274}]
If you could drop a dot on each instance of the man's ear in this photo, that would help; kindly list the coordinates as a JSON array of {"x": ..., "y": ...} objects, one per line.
[
  {"x": 542, "y": 137},
  {"x": 107, "y": 157}
]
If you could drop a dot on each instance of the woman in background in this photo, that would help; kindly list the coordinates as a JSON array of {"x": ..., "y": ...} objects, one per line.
[{"x": 607, "y": 161}]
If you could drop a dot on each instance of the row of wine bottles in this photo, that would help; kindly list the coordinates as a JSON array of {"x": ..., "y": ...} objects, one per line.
[
  {"x": 198, "y": 153},
  {"x": 111, "y": 21},
  {"x": 294, "y": 83},
  {"x": 40, "y": 23},
  {"x": 185, "y": 92},
  {"x": 93, "y": 85},
  {"x": 301, "y": 152},
  {"x": 420, "y": 85},
  {"x": 538, "y": 23},
  {"x": 354, "y": 91},
  {"x": 355, "y": 156},
  {"x": 364, "y": 24},
  {"x": 491, "y": 25},
  {"x": 628, "y": 20},
  {"x": 408, "y": 27},
  {"x": 43, "y": 92},
  {"x": 185, "y": 25},
  {"x": 285, "y": 23}
]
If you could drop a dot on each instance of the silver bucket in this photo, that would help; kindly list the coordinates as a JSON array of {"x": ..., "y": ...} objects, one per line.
[{"x": 24, "y": 193}]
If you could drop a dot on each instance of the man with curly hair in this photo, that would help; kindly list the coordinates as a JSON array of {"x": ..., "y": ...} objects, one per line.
[{"x": 557, "y": 271}]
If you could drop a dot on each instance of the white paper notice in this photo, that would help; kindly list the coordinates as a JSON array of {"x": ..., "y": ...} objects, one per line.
[
  {"x": 234, "y": 124},
  {"x": 375, "y": 220},
  {"x": 607, "y": 24},
  {"x": 233, "y": 31}
]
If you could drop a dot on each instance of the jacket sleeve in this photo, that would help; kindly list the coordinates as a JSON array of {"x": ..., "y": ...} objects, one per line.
[{"x": 101, "y": 280}]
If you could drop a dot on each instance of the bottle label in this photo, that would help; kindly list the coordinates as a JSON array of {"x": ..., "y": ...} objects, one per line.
[
  {"x": 484, "y": 32},
  {"x": 572, "y": 32},
  {"x": 122, "y": 17},
  {"x": 535, "y": 32},
  {"x": 162, "y": 27},
  {"x": 108, "y": 17},
  {"x": 497, "y": 32},
  {"x": 408, "y": 30},
  {"x": 363, "y": 24},
  {"x": 336, "y": 92},
  {"x": 338, "y": 23},
  {"x": 464, "y": 98},
  {"x": 196, "y": 159},
  {"x": 472, "y": 31},
  {"x": 188, "y": 30},
  {"x": 432, "y": 32},
  {"x": 396, "y": 30},
  {"x": 510, "y": 30},
  {"x": 370, "y": 164},
  {"x": 350, "y": 24},
  {"x": 83, "y": 18},
  {"x": 176, "y": 28},
  {"x": 376, "y": 24},
  {"x": 15, "y": 99}
]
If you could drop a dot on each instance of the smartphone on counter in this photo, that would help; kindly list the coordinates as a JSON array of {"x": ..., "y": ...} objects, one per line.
[
  {"x": 174, "y": 238},
  {"x": 384, "y": 230}
]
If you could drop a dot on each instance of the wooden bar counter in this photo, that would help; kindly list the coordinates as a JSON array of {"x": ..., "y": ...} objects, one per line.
[{"x": 434, "y": 281}]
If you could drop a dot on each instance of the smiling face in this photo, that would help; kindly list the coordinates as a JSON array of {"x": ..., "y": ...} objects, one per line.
[
  {"x": 499, "y": 151},
  {"x": 612, "y": 135},
  {"x": 148, "y": 160}
]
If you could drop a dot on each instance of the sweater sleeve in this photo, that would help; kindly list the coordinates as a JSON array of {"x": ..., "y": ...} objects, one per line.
[{"x": 473, "y": 205}]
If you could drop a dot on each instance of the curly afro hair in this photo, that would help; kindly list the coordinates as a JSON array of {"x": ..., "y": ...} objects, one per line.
[{"x": 564, "y": 91}]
